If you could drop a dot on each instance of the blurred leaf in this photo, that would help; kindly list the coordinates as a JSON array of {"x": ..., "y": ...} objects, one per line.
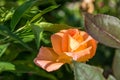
[
  {"x": 29, "y": 67},
  {"x": 104, "y": 28},
  {"x": 12, "y": 52},
  {"x": 116, "y": 64},
  {"x": 3, "y": 48},
  {"x": 53, "y": 27},
  {"x": 5, "y": 31},
  {"x": 111, "y": 78},
  {"x": 38, "y": 34},
  {"x": 43, "y": 12},
  {"x": 86, "y": 72},
  {"x": 6, "y": 66},
  {"x": 20, "y": 11}
]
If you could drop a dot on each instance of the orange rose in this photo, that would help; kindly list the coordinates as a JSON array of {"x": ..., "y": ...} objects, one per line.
[{"x": 68, "y": 45}]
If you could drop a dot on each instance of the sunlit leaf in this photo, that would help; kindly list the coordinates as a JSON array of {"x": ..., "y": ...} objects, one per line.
[
  {"x": 27, "y": 38},
  {"x": 3, "y": 48},
  {"x": 43, "y": 12},
  {"x": 20, "y": 11},
  {"x": 6, "y": 66},
  {"x": 116, "y": 64},
  {"x": 104, "y": 28},
  {"x": 52, "y": 27},
  {"x": 86, "y": 72}
]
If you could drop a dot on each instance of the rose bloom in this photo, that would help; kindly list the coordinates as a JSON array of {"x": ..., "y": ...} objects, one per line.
[{"x": 68, "y": 45}]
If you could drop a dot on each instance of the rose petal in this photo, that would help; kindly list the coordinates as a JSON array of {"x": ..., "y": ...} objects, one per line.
[
  {"x": 46, "y": 53},
  {"x": 65, "y": 43},
  {"x": 73, "y": 44},
  {"x": 64, "y": 58},
  {"x": 80, "y": 56},
  {"x": 64, "y": 40},
  {"x": 92, "y": 43},
  {"x": 48, "y": 65},
  {"x": 78, "y": 37},
  {"x": 84, "y": 35},
  {"x": 72, "y": 32},
  {"x": 56, "y": 40},
  {"x": 46, "y": 59},
  {"x": 83, "y": 44},
  {"x": 60, "y": 42},
  {"x": 68, "y": 33}
]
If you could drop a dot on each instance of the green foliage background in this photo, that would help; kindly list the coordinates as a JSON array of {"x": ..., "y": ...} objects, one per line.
[{"x": 23, "y": 30}]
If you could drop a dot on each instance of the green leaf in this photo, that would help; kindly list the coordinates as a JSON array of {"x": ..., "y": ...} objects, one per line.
[
  {"x": 20, "y": 11},
  {"x": 3, "y": 48},
  {"x": 104, "y": 28},
  {"x": 25, "y": 33},
  {"x": 12, "y": 52},
  {"x": 110, "y": 77},
  {"x": 6, "y": 32},
  {"x": 6, "y": 66},
  {"x": 86, "y": 72},
  {"x": 43, "y": 12},
  {"x": 52, "y": 27},
  {"x": 27, "y": 38},
  {"x": 38, "y": 34},
  {"x": 116, "y": 64},
  {"x": 29, "y": 67}
]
